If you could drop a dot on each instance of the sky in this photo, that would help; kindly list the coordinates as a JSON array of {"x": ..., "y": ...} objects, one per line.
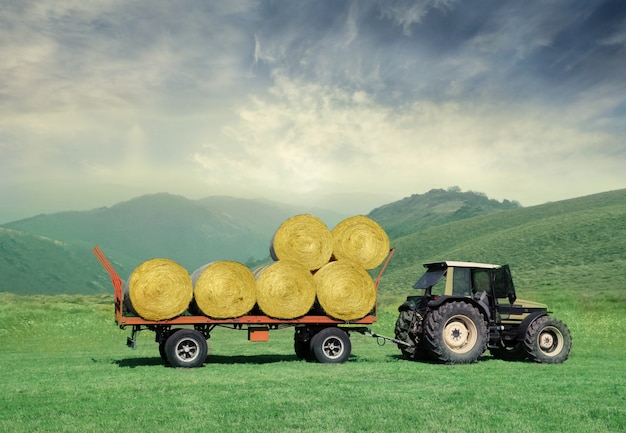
[{"x": 331, "y": 103}]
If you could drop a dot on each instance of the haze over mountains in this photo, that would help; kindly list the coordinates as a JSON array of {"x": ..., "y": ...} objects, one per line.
[{"x": 51, "y": 254}]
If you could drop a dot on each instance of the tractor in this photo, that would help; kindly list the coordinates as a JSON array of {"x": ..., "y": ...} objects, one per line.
[{"x": 464, "y": 308}]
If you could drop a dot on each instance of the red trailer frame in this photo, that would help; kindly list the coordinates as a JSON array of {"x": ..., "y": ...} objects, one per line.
[{"x": 258, "y": 326}]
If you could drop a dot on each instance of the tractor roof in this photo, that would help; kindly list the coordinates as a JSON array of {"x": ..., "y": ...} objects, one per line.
[{"x": 450, "y": 264}]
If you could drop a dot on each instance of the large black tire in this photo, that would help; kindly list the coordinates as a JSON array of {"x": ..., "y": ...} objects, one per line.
[
  {"x": 303, "y": 350},
  {"x": 406, "y": 330},
  {"x": 331, "y": 346},
  {"x": 162, "y": 352},
  {"x": 186, "y": 348},
  {"x": 456, "y": 333},
  {"x": 548, "y": 341}
]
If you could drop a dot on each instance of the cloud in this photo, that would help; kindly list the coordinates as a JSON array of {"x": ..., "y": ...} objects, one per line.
[
  {"x": 287, "y": 100},
  {"x": 309, "y": 138}
]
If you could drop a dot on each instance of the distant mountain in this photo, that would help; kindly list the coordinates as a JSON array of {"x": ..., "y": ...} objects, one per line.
[
  {"x": 436, "y": 207},
  {"x": 191, "y": 232},
  {"x": 51, "y": 254}
]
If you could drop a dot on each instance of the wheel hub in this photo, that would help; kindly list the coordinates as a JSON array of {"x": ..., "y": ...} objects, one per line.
[
  {"x": 333, "y": 348},
  {"x": 456, "y": 335},
  {"x": 187, "y": 350},
  {"x": 546, "y": 341}
]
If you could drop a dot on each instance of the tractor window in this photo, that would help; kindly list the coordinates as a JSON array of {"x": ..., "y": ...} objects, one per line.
[
  {"x": 461, "y": 285},
  {"x": 503, "y": 283},
  {"x": 439, "y": 288},
  {"x": 480, "y": 281}
]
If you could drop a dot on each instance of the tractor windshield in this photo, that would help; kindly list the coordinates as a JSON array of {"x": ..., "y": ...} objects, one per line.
[{"x": 429, "y": 279}]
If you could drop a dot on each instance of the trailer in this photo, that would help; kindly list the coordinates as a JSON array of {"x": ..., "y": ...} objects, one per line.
[{"x": 183, "y": 339}]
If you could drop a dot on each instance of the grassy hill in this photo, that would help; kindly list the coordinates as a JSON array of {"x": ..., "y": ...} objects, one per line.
[
  {"x": 192, "y": 232},
  {"x": 51, "y": 254},
  {"x": 32, "y": 264},
  {"x": 554, "y": 250},
  {"x": 563, "y": 252},
  {"x": 434, "y": 208},
  {"x": 568, "y": 254}
]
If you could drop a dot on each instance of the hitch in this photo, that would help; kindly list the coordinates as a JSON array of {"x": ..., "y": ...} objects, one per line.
[
  {"x": 381, "y": 339},
  {"x": 131, "y": 341}
]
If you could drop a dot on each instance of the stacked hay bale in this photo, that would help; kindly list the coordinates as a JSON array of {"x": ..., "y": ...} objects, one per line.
[
  {"x": 362, "y": 240},
  {"x": 338, "y": 260},
  {"x": 285, "y": 289},
  {"x": 304, "y": 239},
  {"x": 158, "y": 289},
  {"x": 345, "y": 290},
  {"x": 223, "y": 289},
  {"x": 310, "y": 263}
]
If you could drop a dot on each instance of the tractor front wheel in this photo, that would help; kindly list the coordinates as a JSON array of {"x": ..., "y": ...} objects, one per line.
[
  {"x": 548, "y": 340},
  {"x": 456, "y": 333}
]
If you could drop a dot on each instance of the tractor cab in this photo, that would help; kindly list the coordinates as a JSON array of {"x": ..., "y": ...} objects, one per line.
[{"x": 475, "y": 280}]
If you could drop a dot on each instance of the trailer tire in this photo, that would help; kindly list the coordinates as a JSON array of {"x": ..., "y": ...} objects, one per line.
[
  {"x": 331, "y": 346},
  {"x": 162, "y": 352},
  {"x": 303, "y": 350},
  {"x": 186, "y": 348}
]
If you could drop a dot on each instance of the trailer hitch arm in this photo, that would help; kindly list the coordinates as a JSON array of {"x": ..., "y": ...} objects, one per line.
[{"x": 382, "y": 338}]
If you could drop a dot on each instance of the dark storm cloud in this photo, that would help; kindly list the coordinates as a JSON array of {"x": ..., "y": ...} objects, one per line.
[{"x": 505, "y": 49}]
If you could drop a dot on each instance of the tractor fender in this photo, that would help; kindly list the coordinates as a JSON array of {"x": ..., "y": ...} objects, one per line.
[
  {"x": 436, "y": 303},
  {"x": 521, "y": 331}
]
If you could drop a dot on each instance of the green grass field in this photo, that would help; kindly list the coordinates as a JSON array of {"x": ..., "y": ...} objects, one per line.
[{"x": 65, "y": 368}]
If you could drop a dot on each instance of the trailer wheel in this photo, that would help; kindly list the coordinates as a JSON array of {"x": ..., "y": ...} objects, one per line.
[
  {"x": 162, "y": 352},
  {"x": 548, "y": 340},
  {"x": 186, "y": 348},
  {"x": 331, "y": 346}
]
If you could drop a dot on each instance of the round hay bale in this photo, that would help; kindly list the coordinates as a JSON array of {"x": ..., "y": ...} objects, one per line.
[
  {"x": 345, "y": 290},
  {"x": 304, "y": 239},
  {"x": 158, "y": 289},
  {"x": 224, "y": 289},
  {"x": 285, "y": 289},
  {"x": 362, "y": 240}
]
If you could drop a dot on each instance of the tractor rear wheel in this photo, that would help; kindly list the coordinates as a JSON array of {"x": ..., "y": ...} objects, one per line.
[
  {"x": 548, "y": 340},
  {"x": 406, "y": 330},
  {"x": 456, "y": 333}
]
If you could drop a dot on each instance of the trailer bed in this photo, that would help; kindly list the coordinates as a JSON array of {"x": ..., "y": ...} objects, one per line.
[{"x": 317, "y": 336}]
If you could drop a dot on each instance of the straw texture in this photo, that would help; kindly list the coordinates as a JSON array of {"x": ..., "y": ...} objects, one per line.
[
  {"x": 361, "y": 240},
  {"x": 345, "y": 290},
  {"x": 304, "y": 239},
  {"x": 285, "y": 289},
  {"x": 159, "y": 289},
  {"x": 224, "y": 289}
]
